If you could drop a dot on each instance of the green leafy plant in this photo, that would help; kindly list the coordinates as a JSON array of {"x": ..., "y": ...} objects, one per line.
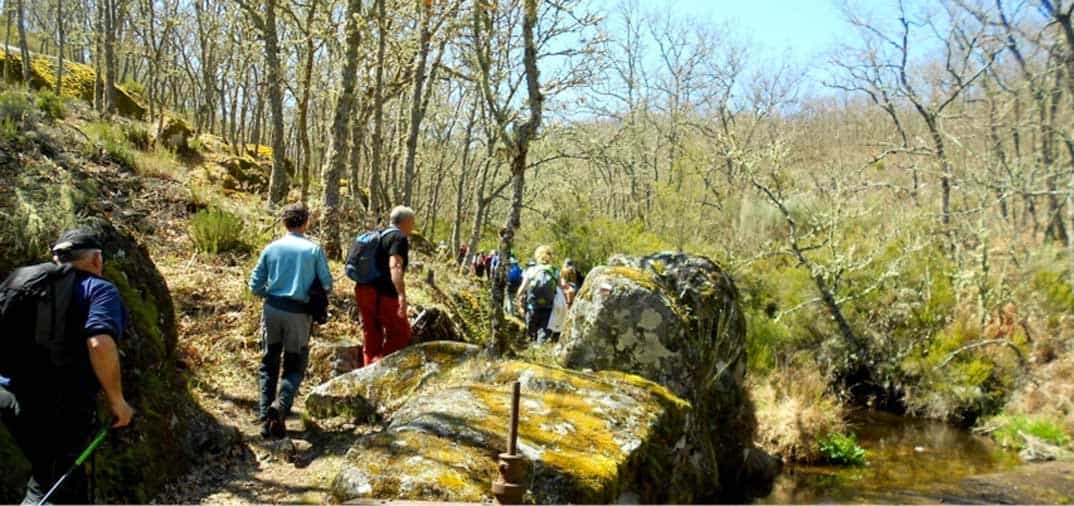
[
  {"x": 53, "y": 105},
  {"x": 216, "y": 231},
  {"x": 137, "y": 136},
  {"x": 1012, "y": 429},
  {"x": 842, "y": 449}
]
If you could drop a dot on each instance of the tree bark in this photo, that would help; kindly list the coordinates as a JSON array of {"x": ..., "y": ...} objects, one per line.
[
  {"x": 304, "y": 104},
  {"x": 24, "y": 49},
  {"x": 62, "y": 43},
  {"x": 9, "y": 13},
  {"x": 417, "y": 112},
  {"x": 376, "y": 167},
  {"x": 340, "y": 134},
  {"x": 278, "y": 183},
  {"x": 526, "y": 133},
  {"x": 460, "y": 186},
  {"x": 109, "y": 56}
]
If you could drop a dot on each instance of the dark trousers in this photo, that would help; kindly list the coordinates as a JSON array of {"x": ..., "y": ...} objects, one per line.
[
  {"x": 537, "y": 322},
  {"x": 294, "y": 371},
  {"x": 51, "y": 431},
  {"x": 287, "y": 334}
]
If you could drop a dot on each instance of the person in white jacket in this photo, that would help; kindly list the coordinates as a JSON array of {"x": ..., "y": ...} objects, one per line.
[{"x": 565, "y": 292}]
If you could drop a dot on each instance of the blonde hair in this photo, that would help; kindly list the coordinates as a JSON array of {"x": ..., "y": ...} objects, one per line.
[{"x": 543, "y": 255}]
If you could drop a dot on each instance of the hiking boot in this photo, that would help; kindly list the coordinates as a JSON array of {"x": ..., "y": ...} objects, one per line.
[
  {"x": 266, "y": 430},
  {"x": 275, "y": 425}
]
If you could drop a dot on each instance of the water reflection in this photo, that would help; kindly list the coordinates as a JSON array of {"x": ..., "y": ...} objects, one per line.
[{"x": 910, "y": 461}]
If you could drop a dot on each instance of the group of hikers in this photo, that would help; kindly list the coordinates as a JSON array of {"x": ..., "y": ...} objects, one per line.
[
  {"x": 540, "y": 292},
  {"x": 63, "y": 323}
]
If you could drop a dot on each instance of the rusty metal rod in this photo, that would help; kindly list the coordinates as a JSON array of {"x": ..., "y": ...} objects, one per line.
[{"x": 512, "y": 437}]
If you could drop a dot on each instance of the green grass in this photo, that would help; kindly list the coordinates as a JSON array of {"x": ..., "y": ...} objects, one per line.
[
  {"x": 53, "y": 105},
  {"x": 113, "y": 144},
  {"x": 216, "y": 231},
  {"x": 1010, "y": 430},
  {"x": 842, "y": 449}
]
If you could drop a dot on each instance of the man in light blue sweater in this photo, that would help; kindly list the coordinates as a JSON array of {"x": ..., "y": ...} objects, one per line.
[{"x": 286, "y": 271}]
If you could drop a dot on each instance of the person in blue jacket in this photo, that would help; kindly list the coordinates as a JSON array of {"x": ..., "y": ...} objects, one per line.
[{"x": 283, "y": 276}]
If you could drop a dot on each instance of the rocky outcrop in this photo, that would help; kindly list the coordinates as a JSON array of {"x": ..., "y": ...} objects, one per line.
[
  {"x": 589, "y": 437},
  {"x": 175, "y": 133},
  {"x": 78, "y": 81},
  {"x": 675, "y": 319},
  {"x": 170, "y": 431}
]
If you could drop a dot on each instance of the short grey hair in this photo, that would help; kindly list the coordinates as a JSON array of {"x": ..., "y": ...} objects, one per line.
[{"x": 400, "y": 214}]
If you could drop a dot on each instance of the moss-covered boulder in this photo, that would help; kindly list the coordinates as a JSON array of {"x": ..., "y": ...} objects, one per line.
[
  {"x": 78, "y": 80},
  {"x": 39, "y": 197},
  {"x": 175, "y": 133},
  {"x": 675, "y": 319},
  {"x": 169, "y": 431},
  {"x": 244, "y": 173},
  {"x": 588, "y": 438}
]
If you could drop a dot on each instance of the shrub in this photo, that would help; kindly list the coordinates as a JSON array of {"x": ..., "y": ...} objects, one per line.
[
  {"x": 15, "y": 105},
  {"x": 158, "y": 162},
  {"x": 795, "y": 409},
  {"x": 112, "y": 143},
  {"x": 1011, "y": 430},
  {"x": 53, "y": 105},
  {"x": 16, "y": 113},
  {"x": 842, "y": 449},
  {"x": 137, "y": 136},
  {"x": 216, "y": 231}
]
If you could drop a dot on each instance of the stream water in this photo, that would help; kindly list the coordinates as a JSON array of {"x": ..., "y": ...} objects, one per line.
[{"x": 910, "y": 461}]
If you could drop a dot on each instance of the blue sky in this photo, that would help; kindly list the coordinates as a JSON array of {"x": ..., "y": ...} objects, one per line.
[{"x": 806, "y": 28}]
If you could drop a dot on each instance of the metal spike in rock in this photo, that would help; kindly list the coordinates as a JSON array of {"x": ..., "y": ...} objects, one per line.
[{"x": 508, "y": 488}]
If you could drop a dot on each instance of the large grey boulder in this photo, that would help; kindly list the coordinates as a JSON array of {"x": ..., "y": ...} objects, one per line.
[
  {"x": 589, "y": 438},
  {"x": 675, "y": 319}
]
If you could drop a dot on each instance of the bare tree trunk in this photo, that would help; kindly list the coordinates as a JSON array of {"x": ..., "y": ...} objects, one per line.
[
  {"x": 109, "y": 56},
  {"x": 464, "y": 168},
  {"x": 357, "y": 145},
  {"x": 526, "y": 133},
  {"x": 278, "y": 183},
  {"x": 417, "y": 112},
  {"x": 98, "y": 79},
  {"x": 10, "y": 14},
  {"x": 59, "y": 58},
  {"x": 341, "y": 133},
  {"x": 376, "y": 168},
  {"x": 24, "y": 49},
  {"x": 304, "y": 104}
]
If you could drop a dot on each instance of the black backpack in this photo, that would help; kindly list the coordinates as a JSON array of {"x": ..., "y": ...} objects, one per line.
[
  {"x": 35, "y": 305},
  {"x": 362, "y": 258},
  {"x": 541, "y": 293},
  {"x": 317, "y": 307}
]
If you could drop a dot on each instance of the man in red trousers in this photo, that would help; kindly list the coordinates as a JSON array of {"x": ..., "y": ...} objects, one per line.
[{"x": 382, "y": 303}]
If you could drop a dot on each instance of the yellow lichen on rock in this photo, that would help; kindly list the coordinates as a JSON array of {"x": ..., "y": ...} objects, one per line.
[
  {"x": 78, "y": 81},
  {"x": 588, "y": 437}
]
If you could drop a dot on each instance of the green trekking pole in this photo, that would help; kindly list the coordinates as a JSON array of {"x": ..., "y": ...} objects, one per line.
[{"x": 101, "y": 434}]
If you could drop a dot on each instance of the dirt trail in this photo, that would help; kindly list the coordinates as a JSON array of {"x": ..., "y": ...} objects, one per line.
[{"x": 219, "y": 344}]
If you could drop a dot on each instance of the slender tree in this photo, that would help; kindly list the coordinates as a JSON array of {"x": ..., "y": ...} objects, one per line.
[{"x": 341, "y": 132}]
